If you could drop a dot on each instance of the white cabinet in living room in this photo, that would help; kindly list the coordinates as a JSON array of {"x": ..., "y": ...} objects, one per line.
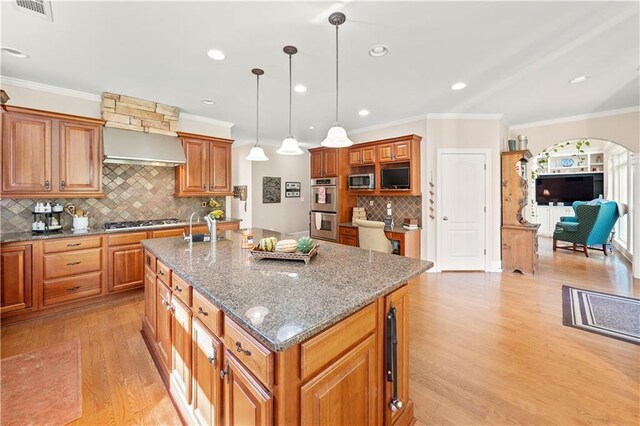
[
  {"x": 542, "y": 217},
  {"x": 548, "y": 216}
]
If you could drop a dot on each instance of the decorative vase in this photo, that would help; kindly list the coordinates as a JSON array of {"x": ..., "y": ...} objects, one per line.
[{"x": 512, "y": 144}]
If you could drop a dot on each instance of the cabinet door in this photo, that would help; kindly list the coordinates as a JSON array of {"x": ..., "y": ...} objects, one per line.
[
  {"x": 385, "y": 153},
  {"x": 348, "y": 240},
  {"x": 196, "y": 170},
  {"x": 369, "y": 155},
  {"x": 15, "y": 278},
  {"x": 400, "y": 301},
  {"x": 80, "y": 157},
  {"x": 207, "y": 385},
  {"x": 401, "y": 151},
  {"x": 125, "y": 267},
  {"x": 150, "y": 300},
  {"x": 163, "y": 323},
  {"x": 220, "y": 168},
  {"x": 26, "y": 154},
  {"x": 316, "y": 164},
  {"x": 345, "y": 392},
  {"x": 246, "y": 401},
  {"x": 330, "y": 160},
  {"x": 355, "y": 157},
  {"x": 181, "y": 350}
]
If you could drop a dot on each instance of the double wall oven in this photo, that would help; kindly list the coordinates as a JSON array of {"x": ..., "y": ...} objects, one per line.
[{"x": 324, "y": 208}]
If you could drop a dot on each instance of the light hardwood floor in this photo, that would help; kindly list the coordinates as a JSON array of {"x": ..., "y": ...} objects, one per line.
[{"x": 486, "y": 349}]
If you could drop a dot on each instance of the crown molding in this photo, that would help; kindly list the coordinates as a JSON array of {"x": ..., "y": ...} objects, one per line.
[
  {"x": 571, "y": 118},
  {"x": 462, "y": 116},
  {"x": 388, "y": 124},
  {"x": 206, "y": 120},
  {"x": 49, "y": 89}
]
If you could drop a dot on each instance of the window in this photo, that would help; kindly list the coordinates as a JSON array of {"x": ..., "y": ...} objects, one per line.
[{"x": 620, "y": 188}]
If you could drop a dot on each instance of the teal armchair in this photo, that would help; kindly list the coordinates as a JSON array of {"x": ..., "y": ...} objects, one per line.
[{"x": 591, "y": 226}]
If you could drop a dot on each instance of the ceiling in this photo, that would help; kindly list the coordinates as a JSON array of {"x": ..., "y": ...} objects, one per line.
[{"x": 516, "y": 58}]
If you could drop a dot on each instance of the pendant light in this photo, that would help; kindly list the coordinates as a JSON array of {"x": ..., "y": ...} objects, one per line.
[
  {"x": 337, "y": 135},
  {"x": 257, "y": 153},
  {"x": 290, "y": 145}
]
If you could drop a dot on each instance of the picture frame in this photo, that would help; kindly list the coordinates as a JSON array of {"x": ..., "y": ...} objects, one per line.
[
  {"x": 271, "y": 189},
  {"x": 292, "y": 189}
]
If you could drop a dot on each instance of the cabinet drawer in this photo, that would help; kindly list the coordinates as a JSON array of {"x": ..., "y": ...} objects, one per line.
[
  {"x": 68, "y": 289},
  {"x": 150, "y": 260},
  {"x": 164, "y": 273},
  {"x": 72, "y": 263},
  {"x": 349, "y": 241},
  {"x": 208, "y": 314},
  {"x": 228, "y": 226},
  {"x": 115, "y": 240},
  {"x": 181, "y": 289},
  {"x": 257, "y": 358},
  {"x": 70, "y": 244},
  {"x": 347, "y": 230},
  {"x": 176, "y": 232}
]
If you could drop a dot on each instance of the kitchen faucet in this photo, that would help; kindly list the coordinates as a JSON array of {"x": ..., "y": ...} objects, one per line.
[{"x": 190, "y": 236}]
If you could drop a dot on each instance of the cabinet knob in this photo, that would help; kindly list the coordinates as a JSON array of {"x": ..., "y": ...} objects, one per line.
[
  {"x": 225, "y": 372},
  {"x": 202, "y": 311},
  {"x": 47, "y": 184},
  {"x": 204, "y": 187},
  {"x": 178, "y": 289},
  {"x": 62, "y": 184},
  {"x": 445, "y": 218},
  {"x": 212, "y": 358}
]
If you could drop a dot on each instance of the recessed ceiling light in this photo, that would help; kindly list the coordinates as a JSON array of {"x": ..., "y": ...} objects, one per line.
[
  {"x": 379, "y": 50},
  {"x": 300, "y": 88},
  {"x": 15, "y": 52},
  {"x": 363, "y": 112},
  {"x": 458, "y": 86},
  {"x": 208, "y": 101},
  {"x": 580, "y": 79},
  {"x": 216, "y": 54},
  {"x": 311, "y": 127}
]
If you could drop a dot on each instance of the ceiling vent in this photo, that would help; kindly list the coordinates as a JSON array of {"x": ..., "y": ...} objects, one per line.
[{"x": 40, "y": 8}]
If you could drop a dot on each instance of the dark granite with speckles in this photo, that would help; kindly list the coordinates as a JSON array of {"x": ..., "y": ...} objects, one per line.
[{"x": 302, "y": 300}]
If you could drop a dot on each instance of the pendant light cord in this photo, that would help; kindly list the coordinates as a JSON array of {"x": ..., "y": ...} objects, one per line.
[
  {"x": 336, "y": 74},
  {"x": 290, "y": 84},
  {"x": 257, "y": 106}
]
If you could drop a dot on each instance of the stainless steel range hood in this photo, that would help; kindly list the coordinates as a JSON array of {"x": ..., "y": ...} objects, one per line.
[{"x": 149, "y": 149}]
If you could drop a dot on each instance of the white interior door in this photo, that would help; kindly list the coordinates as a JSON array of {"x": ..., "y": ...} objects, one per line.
[{"x": 462, "y": 211}]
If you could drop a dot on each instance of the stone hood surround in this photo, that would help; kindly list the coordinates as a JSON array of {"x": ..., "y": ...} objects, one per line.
[{"x": 302, "y": 300}]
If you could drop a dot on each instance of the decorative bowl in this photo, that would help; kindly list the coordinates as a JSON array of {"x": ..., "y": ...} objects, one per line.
[{"x": 566, "y": 162}]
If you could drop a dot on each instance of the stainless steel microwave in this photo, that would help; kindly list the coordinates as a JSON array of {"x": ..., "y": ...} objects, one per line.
[{"x": 362, "y": 181}]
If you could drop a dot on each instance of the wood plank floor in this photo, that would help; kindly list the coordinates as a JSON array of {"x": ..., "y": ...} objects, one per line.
[{"x": 486, "y": 349}]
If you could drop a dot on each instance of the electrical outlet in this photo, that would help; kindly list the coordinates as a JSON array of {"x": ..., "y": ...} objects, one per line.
[
  {"x": 302, "y": 199},
  {"x": 370, "y": 203},
  {"x": 203, "y": 204}
]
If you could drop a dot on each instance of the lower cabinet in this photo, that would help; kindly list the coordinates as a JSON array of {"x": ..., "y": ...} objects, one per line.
[
  {"x": 246, "y": 401},
  {"x": 125, "y": 267},
  {"x": 181, "y": 350},
  {"x": 163, "y": 324},
  {"x": 398, "y": 300},
  {"x": 16, "y": 281},
  {"x": 206, "y": 399},
  {"x": 150, "y": 300}
]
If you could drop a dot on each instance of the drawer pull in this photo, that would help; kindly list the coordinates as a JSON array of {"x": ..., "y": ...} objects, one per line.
[
  {"x": 244, "y": 351},
  {"x": 202, "y": 311},
  {"x": 225, "y": 372},
  {"x": 74, "y": 263},
  {"x": 161, "y": 272},
  {"x": 73, "y": 288},
  {"x": 74, "y": 244},
  {"x": 212, "y": 358},
  {"x": 178, "y": 289}
]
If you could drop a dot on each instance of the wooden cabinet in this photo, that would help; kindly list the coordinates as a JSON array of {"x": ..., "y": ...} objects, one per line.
[
  {"x": 206, "y": 401},
  {"x": 16, "y": 282},
  {"x": 163, "y": 325},
  {"x": 80, "y": 157},
  {"x": 324, "y": 162},
  {"x": 362, "y": 156},
  {"x": 69, "y": 289},
  {"x": 405, "y": 243},
  {"x": 125, "y": 267},
  {"x": 150, "y": 300},
  {"x": 396, "y": 151},
  {"x": 345, "y": 392},
  {"x": 208, "y": 166},
  {"x": 246, "y": 401},
  {"x": 180, "y": 350},
  {"x": 50, "y": 154},
  {"x": 520, "y": 248},
  {"x": 400, "y": 302}
]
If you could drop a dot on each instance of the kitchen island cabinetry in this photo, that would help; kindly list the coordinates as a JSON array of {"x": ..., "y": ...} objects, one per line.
[{"x": 251, "y": 361}]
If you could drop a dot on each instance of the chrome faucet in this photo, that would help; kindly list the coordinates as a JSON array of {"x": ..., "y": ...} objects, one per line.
[{"x": 190, "y": 236}]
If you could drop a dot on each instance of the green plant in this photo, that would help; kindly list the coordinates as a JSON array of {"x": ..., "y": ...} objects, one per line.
[{"x": 543, "y": 159}]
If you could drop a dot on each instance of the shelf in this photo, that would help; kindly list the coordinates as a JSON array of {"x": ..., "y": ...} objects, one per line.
[
  {"x": 568, "y": 168},
  {"x": 597, "y": 164}
]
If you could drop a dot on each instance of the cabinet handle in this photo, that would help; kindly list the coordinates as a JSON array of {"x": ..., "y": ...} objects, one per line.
[
  {"x": 211, "y": 187},
  {"x": 161, "y": 272},
  {"x": 204, "y": 187},
  {"x": 46, "y": 184},
  {"x": 225, "y": 372},
  {"x": 62, "y": 184},
  {"x": 73, "y": 263},
  {"x": 73, "y": 288},
  {"x": 212, "y": 358},
  {"x": 178, "y": 289},
  {"x": 202, "y": 312},
  {"x": 73, "y": 244},
  {"x": 244, "y": 351}
]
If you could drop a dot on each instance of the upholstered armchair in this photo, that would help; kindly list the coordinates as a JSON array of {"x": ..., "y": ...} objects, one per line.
[
  {"x": 591, "y": 226},
  {"x": 371, "y": 236}
]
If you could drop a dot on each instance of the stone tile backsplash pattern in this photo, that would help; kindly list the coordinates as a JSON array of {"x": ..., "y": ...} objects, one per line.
[
  {"x": 402, "y": 207},
  {"x": 132, "y": 192}
]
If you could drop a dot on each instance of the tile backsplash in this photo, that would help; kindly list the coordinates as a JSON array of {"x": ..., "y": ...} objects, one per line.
[
  {"x": 402, "y": 207},
  {"x": 132, "y": 192}
]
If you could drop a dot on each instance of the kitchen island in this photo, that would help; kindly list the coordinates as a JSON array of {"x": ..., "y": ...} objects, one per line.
[{"x": 245, "y": 341}]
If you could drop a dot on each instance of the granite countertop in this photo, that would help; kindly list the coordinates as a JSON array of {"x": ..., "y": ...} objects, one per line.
[
  {"x": 301, "y": 300},
  {"x": 10, "y": 237},
  {"x": 397, "y": 228}
]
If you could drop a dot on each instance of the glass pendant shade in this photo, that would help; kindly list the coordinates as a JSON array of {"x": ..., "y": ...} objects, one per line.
[
  {"x": 337, "y": 138},
  {"x": 289, "y": 147},
  {"x": 257, "y": 154}
]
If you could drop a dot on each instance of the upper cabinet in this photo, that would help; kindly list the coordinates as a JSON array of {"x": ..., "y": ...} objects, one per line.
[
  {"x": 362, "y": 156},
  {"x": 49, "y": 154},
  {"x": 208, "y": 168},
  {"x": 396, "y": 151},
  {"x": 324, "y": 162}
]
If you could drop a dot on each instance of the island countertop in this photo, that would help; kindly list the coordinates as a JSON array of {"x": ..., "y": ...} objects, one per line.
[{"x": 300, "y": 300}]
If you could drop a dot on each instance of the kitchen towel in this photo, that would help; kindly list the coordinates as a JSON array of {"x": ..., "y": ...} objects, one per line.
[
  {"x": 321, "y": 196},
  {"x": 318, "y": 221}
]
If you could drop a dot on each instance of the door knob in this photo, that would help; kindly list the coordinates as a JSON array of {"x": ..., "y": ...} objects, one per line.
[{"x": 445, "y": 218}]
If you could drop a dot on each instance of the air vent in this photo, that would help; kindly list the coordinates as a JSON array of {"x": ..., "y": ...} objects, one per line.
[{"x": 41, "y": 8}]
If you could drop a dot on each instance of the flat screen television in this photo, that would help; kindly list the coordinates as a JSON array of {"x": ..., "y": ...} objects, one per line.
[
  {"x": 567, "y": 188},
  {"x": 395, "y": 178}
]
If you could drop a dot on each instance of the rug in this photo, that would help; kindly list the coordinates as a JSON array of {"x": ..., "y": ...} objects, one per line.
[
  {"x": 606, "y": 314},
  {"x": 42, "y": 387}
]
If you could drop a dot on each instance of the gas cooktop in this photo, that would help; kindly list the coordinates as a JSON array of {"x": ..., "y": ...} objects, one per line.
[{"x": 138, "y": 224}]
